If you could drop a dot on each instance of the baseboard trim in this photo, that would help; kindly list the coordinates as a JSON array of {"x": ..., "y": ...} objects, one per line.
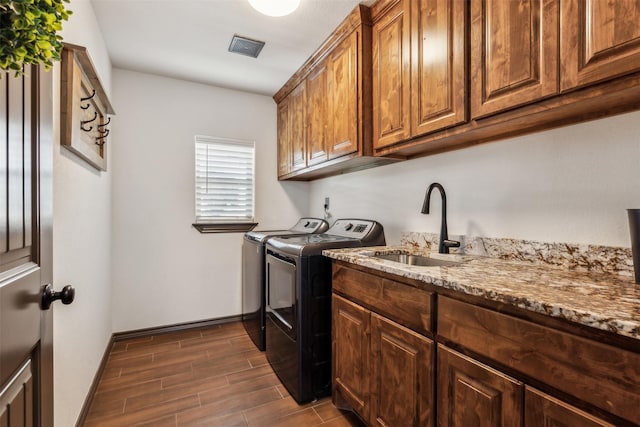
[
  {"x": 139, "y": 333},
  {"x": 84, "y": 412}
]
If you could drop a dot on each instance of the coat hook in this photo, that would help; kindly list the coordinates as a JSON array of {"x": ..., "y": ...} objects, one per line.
[
  {"x": 84, "y": 122},
  {"x": 103, "y": 134},
  {"x": 100, "y": 141},
  {"x": 104, "y": 124},
  {"x": 88, "y": 104}
]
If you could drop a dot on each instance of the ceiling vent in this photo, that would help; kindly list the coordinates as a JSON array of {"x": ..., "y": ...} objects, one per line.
[{"x": 245, "y": 46}]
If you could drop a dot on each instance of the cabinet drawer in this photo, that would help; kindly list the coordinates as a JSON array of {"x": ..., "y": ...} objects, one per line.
[
  {"x": 409, "y": 306},
  {"x": 602, "y": 375}
]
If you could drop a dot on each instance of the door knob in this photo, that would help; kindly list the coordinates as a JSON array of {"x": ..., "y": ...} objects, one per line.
[{"x": 66, "y": 295}]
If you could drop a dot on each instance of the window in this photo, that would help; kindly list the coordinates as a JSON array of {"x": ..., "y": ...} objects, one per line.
[{"x": 225, "y": 184}]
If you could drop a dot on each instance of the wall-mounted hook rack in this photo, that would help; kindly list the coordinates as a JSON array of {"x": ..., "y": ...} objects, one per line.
[{"x": 81, "y": 92}]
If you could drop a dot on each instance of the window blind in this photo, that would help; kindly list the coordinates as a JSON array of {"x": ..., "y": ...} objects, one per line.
[{"x": 225, "y": 180}]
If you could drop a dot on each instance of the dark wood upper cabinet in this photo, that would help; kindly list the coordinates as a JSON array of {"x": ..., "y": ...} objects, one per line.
[
  {"x": 284, "y": 139},
  {"x": 317, "y": 116},
  {"x": 343, "y": 98},
  {"x": 438, "y": 65},
  {"x": 407, "y": 78},
  {"x": 419, "y": 76},
  {"x": 391, "y": 76},
  {"x": 514, "y": 53},
  {"x": 600, "y": 40},
  {"x": 298, "y": 128},
  {"x": 335, "y": 111}
]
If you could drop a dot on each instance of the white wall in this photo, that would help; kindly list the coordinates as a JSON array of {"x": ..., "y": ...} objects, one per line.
[
  {"x": 165, "y": 271},
  {"x": 570, "y": 184},
  {"x": 81, "y": 243}
]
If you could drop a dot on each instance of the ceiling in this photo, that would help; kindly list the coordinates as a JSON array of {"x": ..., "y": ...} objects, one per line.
[{"x": 189, "y": 39}]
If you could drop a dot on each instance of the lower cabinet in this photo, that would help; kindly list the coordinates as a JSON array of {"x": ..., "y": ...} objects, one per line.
[
  {"x": 473, "y": 394},
  {"x": 350, "y": 344},
  {"x": 544, "y": 410},
  {"x": 382, "y": 370},
  {"x": 391, "y": 375}
]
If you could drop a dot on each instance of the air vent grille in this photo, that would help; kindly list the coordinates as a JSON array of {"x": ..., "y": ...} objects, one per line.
[{"x": 245, "y": 46}]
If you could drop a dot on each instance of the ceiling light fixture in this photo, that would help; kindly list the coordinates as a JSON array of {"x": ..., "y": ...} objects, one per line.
[{"x": 275, "y": 7}]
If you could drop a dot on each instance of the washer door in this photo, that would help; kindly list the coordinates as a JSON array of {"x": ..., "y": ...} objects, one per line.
[{"x": 282, "y": 295}]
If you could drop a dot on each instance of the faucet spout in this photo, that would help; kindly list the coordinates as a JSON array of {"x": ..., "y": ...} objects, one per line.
[{"x": 445, "y": 243}]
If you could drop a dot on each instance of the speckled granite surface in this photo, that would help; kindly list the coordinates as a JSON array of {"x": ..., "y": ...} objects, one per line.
[
  {"x": 604, "y": 259},
  {"x": 600, "y": 300}
]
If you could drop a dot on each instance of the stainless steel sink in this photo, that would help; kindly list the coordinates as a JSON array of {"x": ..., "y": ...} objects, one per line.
[{"x": 418, "y": 260}]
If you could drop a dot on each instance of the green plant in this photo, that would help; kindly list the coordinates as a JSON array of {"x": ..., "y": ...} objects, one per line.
[{"x": 28, "y": 32}]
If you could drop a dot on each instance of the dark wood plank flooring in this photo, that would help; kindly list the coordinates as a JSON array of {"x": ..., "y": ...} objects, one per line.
[{"x": 211, "y": 376}]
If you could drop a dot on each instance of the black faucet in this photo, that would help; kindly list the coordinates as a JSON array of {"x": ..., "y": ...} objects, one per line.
[{"x": 445, "y": 243}]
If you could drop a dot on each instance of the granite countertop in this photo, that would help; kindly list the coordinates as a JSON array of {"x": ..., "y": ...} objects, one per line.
[{"x": 604, "y": 301}]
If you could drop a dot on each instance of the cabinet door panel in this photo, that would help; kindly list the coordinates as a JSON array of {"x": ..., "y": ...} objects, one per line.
[
  {"x": 472, "y": 394},
  {"x": 350, "y": 366},
  {"x": 298, "y": 131},
  {"x": 284, "y": 144},
  {"x": 438, "y": 65},
  {"x": 543, "y": 410},
  {"x": 402, "y": 374},
  {"x": 391, "y": 76},
  {"x": 317, "y": 117},
  {"x": 600, "y": 40},
  {"x": 514, "y": 53},
  {"x": 343, "y": 92}
]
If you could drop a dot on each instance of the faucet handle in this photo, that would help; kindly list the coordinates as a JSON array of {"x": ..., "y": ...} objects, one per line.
[{"x": 451, "y": 243}]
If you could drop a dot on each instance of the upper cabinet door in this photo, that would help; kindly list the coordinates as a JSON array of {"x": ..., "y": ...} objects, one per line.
[
  {"x": 284, "y": 144},
  {"x": 391, "y": 76},
  {"x": 600, "y": 40},
  {"x": 343, "y": 92},
  {"x": 514, "y": 53},
  {"x": 317, "y": 116},
  {"x": 438, "y": 65},
  {"x": 298, "y": 127}
]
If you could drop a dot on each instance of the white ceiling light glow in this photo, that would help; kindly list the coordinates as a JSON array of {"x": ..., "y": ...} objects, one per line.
[{"x": 275, "y": 7}]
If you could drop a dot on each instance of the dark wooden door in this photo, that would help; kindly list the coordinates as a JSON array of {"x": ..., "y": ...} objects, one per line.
[
  {"x": 391, "y": 76},
  {"x": 471, "y": 394},
  {"x": 600, "y": 41},
  {"x": 26, "y": 361},
  {"x": 284, "y": 139},
  {"x": 402, "y": 386},
  {"x": 438, "y": 61},
  {"x": 543, "y": 410},
  {"x": 350, "y": 362},
  {"x": 343, "y": 98},
  {"x": 298, "y": 135},
  {"x": 514, "y": 53},
  {"x": 317, "y": 116}
]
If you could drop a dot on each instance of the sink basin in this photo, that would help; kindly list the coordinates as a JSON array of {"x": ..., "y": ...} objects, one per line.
[{"x": 418, "y": 260}]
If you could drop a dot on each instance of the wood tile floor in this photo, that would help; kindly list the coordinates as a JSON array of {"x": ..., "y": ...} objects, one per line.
[{"x": 212, "y": 376}]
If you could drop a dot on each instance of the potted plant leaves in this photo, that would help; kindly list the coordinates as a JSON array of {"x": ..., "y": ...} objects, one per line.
[{"x": 28, "y": 33}]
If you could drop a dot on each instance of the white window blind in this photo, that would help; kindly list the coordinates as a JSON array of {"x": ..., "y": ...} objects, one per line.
[{"x": 225, "y": 180}]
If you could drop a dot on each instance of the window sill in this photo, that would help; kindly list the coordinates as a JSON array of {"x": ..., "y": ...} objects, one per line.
[{"x": 240, "y": 227}]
